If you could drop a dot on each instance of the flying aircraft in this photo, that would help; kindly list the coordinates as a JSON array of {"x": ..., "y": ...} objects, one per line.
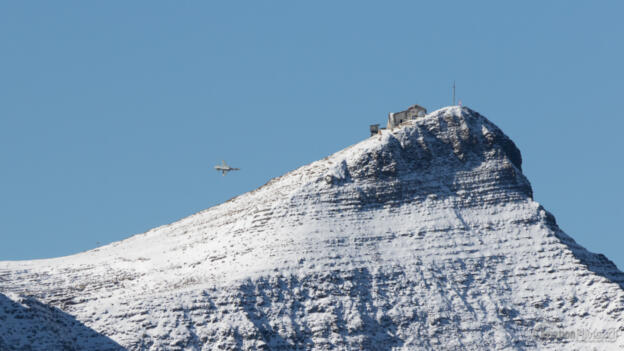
[{"x": 224, "y": 168}]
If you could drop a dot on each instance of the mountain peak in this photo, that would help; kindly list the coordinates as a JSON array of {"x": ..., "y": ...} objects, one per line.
[
  {"x": 423, "y": 237},
  {"x": 437, "y": 154}
]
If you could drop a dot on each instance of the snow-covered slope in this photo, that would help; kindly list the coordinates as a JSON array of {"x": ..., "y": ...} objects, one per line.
[{"x": 425, "y": 237}]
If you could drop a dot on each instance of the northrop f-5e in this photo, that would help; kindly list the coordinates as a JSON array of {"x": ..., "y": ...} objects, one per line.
[{"x": 224, "y": 168}]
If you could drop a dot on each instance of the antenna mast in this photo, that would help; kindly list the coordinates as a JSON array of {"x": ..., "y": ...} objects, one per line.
[{"x": 453, "y": 93}]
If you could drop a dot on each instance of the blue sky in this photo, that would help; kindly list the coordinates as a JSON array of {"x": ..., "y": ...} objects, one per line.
[{"x": 112, "y": 114}]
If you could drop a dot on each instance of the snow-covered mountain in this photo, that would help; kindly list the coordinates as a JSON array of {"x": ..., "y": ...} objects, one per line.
[{"x": 423, "y": 238}]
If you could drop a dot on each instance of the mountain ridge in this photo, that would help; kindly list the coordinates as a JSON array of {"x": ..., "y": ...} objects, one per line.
[{"x": 423, "y": 237}]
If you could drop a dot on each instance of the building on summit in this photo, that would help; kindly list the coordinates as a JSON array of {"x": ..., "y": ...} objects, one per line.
[{"x": 395, "y": 119}]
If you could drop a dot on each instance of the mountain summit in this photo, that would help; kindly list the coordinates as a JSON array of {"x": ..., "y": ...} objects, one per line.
[{"x": 423, "y": 237}]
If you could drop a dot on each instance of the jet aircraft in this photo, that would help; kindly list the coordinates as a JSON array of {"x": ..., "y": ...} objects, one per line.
[{"x": 224, "y": 168}]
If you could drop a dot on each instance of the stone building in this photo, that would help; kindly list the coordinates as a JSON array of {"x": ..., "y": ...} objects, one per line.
[
  {"x": 374, "y": 129},
  {"x": 413, "y": 112}
]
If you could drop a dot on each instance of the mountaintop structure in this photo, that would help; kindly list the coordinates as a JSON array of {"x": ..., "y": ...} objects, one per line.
[{"x": 395, "y": 119}]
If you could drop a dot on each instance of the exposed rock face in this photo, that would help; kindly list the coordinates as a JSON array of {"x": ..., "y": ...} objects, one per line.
[{"x": 425, "y": 237}]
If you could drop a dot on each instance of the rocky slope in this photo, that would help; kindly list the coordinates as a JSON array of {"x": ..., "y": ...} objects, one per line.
[{"x": 425, "y": 237}]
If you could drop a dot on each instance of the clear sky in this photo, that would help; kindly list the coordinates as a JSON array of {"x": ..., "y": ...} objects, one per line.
[{"x": 113, "y": 113}]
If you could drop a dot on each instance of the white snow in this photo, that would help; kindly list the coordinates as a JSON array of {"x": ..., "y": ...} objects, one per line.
[{"x": 426, "y": 237}]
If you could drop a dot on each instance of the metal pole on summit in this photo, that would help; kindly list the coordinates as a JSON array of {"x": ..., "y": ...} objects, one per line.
[{"x": 453, "y": 93}]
